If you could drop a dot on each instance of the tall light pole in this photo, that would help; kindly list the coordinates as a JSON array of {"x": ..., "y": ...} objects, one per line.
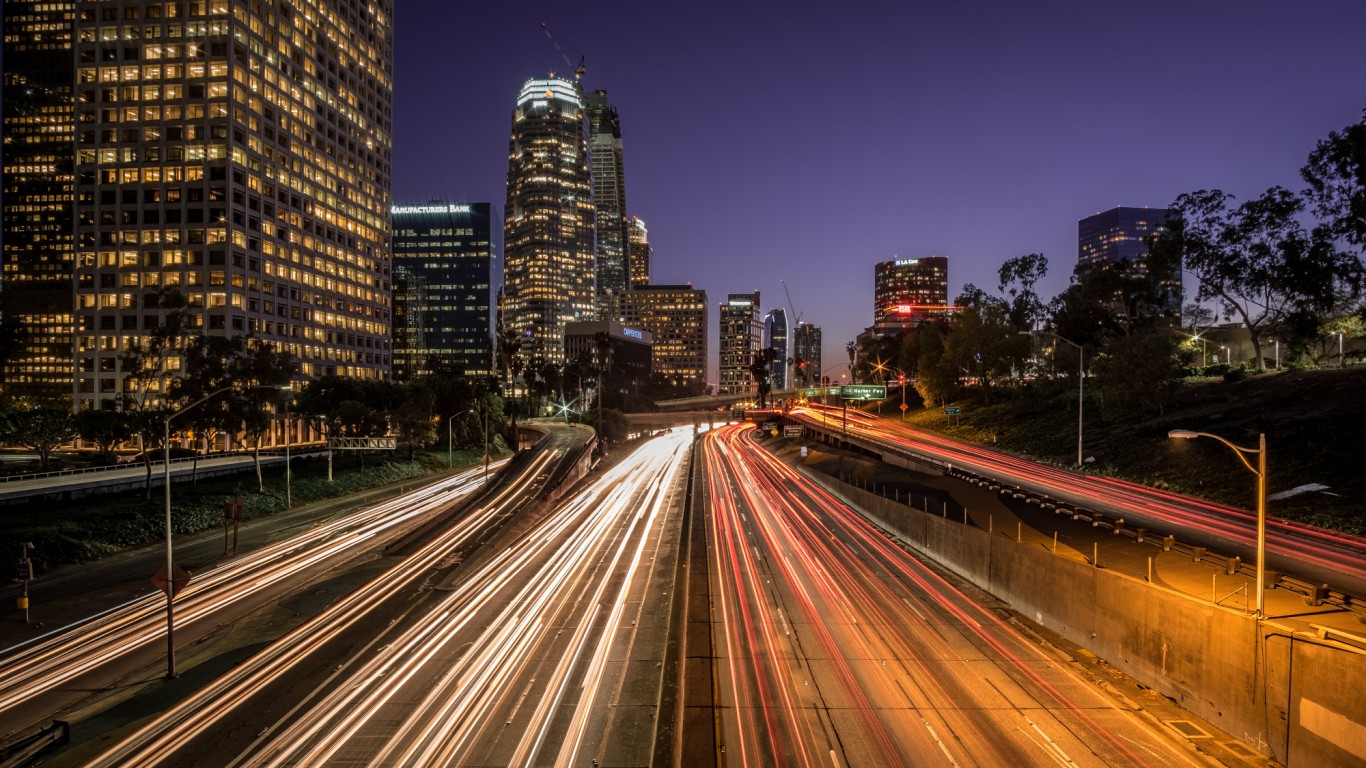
[
  {"x": 1081, "y": 387},
  {"x": 170, "y": 563},
  {"x": 1260, "y": 472}
]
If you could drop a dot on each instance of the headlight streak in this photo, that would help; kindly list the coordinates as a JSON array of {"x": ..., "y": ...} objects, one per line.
[
  {"x": 1338, "y": 551},
  {"x": 84, "y": 646},
  {"x": 830, "y": 555},
  {"x": 462, "y": 701}
]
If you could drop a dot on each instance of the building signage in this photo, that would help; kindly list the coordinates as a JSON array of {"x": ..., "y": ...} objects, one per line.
[
  {"x": 633, "y": 333},
  {"x": 864, "y": 392},
  {"x": 401, "y": 209}
]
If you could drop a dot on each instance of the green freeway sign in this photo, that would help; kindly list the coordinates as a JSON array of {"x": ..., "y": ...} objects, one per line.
[
  {"x": 864, "y": 392},
  {"x": 953, "y": 411},
  {"x": 821, "y": 392}
]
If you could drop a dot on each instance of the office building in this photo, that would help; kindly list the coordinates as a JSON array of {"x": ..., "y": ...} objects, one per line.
[
  {"x": 628, "y": 353},
  {"x": 907, "y": 291},
  {"x": 776, "y": 338},
  {"x": 638, "y": 238},
  {"x": 609, "y": 202},
  {"x": 1120, "y": 234},
  {"x": 806, "y": 355},
  {"x": 676, "y": 318},
  {"x": 742, "y": 334},
  {"x": 549, "y": 257},
  {"x": 39, "y": 128},
  {"x": 237, "y": 154},
  {"x": 442, "y": 302}
]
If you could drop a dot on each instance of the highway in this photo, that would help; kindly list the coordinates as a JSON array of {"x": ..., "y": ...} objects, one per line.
[
  {"x": 69, "y": 665},
  {"x": 520, "y": 652},
  {"x": 1315, "y": 554},
  {"x": 834, "y": 647}
]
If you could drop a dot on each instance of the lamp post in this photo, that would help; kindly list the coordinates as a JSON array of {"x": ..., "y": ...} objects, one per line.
[
  {"x": 1081, "y": 387},
  {"x": 1260, "y": 472},
  {"x": 170, "y": 563}
]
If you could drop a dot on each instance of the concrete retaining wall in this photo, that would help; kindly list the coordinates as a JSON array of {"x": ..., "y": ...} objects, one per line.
[{"x": 1294, "y": 697}]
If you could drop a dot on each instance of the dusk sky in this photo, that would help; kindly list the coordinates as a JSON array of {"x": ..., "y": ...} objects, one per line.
[{"x": 806, "y": 142}]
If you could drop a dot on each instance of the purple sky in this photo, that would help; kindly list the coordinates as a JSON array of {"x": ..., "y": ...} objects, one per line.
[{"x": 806, "y": 142}]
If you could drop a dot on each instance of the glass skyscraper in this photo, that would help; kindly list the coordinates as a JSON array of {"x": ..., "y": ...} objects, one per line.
[
  {"x": 776, "y": 336},
  {"x": 442, "y": 305},
  {"x": 548, "y": 222},
  {"x": 609, "y": 201}
]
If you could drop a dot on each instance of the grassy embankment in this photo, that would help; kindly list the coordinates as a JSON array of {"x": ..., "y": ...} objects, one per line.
[
  {"x": 1315, "y": 425},
  {"x": 92, "y": 527}
]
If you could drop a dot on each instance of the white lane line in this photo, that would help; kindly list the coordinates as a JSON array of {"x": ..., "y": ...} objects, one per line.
[
  {"x": 940, "y": 742},
  {"x": 1053, "y": 749}
]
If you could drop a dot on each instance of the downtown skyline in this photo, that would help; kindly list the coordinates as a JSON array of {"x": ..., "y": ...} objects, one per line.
[{"x": 806, "y": 148}]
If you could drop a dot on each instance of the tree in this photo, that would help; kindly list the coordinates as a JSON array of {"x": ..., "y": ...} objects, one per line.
[
  {"x": 261, "y": 373},
  {"x": 106, "y": 428},
  {"x": 43, "y": 428},
  {"x": 1257, "y": 263},
  {"x": 1018, "y": 278},
  {"x": 983, "y": 340},
  {"x": 761, "y": 371},
  {"x": 1138, "y": 371},
  {"x": 1336, "y": 173},
  {"x": 936, "y": 376},
  {"x": 206, "y": 367},
  {"x": 146, "y": 375}
]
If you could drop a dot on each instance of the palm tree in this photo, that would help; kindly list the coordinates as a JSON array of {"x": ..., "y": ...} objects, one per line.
[{"x": 761, "y": 370}]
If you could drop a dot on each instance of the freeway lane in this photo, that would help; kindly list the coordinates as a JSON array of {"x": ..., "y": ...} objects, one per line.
[
  {"x": 528, "y": 655},
  {"x": 67, "y": 667},
  {"x": 836, "y": 648},
  {"x": 1315, "y": 554}
]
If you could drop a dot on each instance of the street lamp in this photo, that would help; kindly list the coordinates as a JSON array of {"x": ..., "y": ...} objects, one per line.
[
  {"x": 170, "y": 563},
  {"x": 1081, "y": 386},
  {"x": 1260, "y": 472}
]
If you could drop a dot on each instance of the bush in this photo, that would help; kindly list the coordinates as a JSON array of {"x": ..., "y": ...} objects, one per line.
[{"x": 1236, "y": 374}]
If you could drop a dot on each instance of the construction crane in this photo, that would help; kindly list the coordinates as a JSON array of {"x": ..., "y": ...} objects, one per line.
[
  {"x": 796, "y": 316},
  {"x": 579, "y": 69}
]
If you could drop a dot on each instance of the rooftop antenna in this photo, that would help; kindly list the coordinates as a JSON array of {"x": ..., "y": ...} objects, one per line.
[{"x": 579, "y": 69}]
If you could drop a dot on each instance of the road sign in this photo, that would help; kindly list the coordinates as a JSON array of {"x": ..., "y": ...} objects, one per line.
[
  {"x": 24, "y": 571},
  {"x": 792, "y": 430},
  {"x": 773, "y": 432},
  {"x": 864, "y": 392},
  {"x": 904, "y": 407},
  {"x": 953, "y": 411},
  {"x": 821, "y": 392},
  {"x": 177, "y": 582}
]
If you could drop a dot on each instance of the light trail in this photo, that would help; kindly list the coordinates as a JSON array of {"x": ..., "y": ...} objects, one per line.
[
  {"x": 441, "y": 685},
  {"x": 886, "y": 663},
  {"x": 1338, "y": 552},
  {"x": 70, "y": 652}
]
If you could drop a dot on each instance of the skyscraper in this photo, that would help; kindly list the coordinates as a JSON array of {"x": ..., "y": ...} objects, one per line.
[
  {"x": 909, "y": 290},
  {"x": 638, "y": 238},
  {"x": 1119, "y": 234},
  {"x": 39, "y": 126},
  {"x": 776, "y": 337},
  {"x": 742, "y": 334},
  {"x": 609, "y": 201},
  {"x": 442, "y": 262},
  {"x": 238, "y": 154},
  {"x": 806, "y": 355},
  {"x": 548, "y": 220},
  {"x": 676, "y": 317}
]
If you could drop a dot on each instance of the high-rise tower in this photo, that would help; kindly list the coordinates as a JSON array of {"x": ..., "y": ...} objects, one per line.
[
  {"x": 39, "y": 126},
  {"x": 239, "y": 154},
  {"x": 910, "y": 290},
  {"x": 609, "y": 201},
  {"x": 548, "y": 221},
  {"x": 638, "y": 238},
  {"x": 742, "y": 332},
  {"x": 442, "y": 307},
  {"x": 776, "y": 337},
  {"x": 806, "y": 355}
]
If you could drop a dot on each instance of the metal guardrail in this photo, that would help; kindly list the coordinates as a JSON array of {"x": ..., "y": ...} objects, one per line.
[
  {"x": 299, "y": 452},
  {"x": 26, "y": 747}
]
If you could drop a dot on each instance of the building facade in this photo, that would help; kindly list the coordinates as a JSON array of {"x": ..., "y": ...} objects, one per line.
[
  {"x": 638, "y": 238},
  {"x": 442, "y": 303},
  {"x": 676, "y": 318},
  {"x": 806, "y": 355},
  {"x": 1119, "y": 235},
  {"x": 628, "y": 352},
  {"x": 910, "y": 290},
  {"x": 742, "y": 334},
  {"x": 609, "y": 202},
  {"x": 38, "y": 179},
  {"x": 776, "y": 337},
  {"x": 238, "y": 155},
  {"x": 549, "y": 255}
]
